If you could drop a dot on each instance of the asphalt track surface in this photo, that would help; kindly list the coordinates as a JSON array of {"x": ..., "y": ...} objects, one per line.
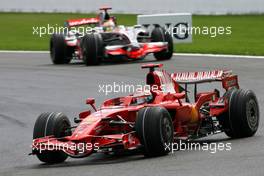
[{"x": 30, "y": 84}]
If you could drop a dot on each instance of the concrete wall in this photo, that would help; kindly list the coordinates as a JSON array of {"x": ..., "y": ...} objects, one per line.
[{"x": 137, "y": 6}]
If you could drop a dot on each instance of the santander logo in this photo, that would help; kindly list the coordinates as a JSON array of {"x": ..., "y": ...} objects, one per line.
[
  {"x": 198, "y": 75},
  {"x": 82, "y": 21}
]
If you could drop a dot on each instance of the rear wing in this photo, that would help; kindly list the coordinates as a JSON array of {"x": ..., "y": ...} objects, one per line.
[
  {"x": 81, "y": 21},
  {"x": 225, "y": 76}
]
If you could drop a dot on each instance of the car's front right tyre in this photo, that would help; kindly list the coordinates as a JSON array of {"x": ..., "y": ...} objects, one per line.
[
  {"x": 59, "y": 52},
  {"x": 160, "y": 35},
  {"x": 242, "y": 118},
  {"x": 51, "y": 123}
]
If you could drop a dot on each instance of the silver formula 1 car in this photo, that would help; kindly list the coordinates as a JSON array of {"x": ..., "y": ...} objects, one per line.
[{"x": 104, "y": 40}]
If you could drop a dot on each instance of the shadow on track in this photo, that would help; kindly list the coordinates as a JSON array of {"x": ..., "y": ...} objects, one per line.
[
  {"x": 95, "y": 159},
  {"x": 102, "y": 159},
  {"x": 110, "y": 62}
]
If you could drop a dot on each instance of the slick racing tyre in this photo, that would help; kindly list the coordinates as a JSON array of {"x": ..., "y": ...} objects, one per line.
[
  {"x": 160, "y": 35},
  {"x": 47, "y": 124},
  {"x": 242, "y": 118},
  {"x": 59, "y": 52},
  {"x": 154, "y": 129},
  {"x": 92, "y": 48}
]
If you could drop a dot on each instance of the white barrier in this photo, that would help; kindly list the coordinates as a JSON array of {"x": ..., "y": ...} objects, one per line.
[{"x": 171, "y": 22}]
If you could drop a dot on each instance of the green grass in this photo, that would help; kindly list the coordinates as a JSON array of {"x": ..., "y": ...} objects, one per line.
[
  {"x": 16, "y": 32},
  {"x": 247, "y": 32},
  {"x": 247, "y": 36}
]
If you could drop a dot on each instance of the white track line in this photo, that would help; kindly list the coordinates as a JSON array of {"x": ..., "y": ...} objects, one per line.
[
  {"x": 218, "y": 55},
  {"x": 175, "y": 54},
  {"x": 21, "y": 51}
]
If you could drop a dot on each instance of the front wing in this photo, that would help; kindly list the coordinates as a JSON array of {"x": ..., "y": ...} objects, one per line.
[{"x": 136, "y": 52}]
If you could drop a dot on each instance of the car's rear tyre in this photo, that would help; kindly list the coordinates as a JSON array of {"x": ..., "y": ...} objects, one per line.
[
  {"x": 92, "y": 49},
  {"x": 154, "y": 129},
  {"x": 59, "y": 52},
  {"x": 224, "y": 118},
  {"x": 51, "y": 123},
  {"x": 160, "y": 35},
  {"x": 242, "y": 118}
]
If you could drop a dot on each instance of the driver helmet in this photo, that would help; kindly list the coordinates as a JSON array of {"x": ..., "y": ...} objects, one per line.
[{"x": 143, "y": 96}]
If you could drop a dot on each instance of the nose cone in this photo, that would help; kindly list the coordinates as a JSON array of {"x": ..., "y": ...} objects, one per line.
[{"x": 86, "y": 128}]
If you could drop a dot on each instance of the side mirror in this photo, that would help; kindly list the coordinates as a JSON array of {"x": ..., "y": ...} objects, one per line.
[
  {"x": 84, "y": 114},
  {"x": 91, "y": 101}
]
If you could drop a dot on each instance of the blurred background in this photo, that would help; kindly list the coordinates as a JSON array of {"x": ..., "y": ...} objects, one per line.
[
  {"x": 137, "y": 6},
  {"x": 246, "y": 18}
]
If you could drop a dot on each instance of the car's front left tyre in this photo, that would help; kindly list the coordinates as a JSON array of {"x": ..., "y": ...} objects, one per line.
[
  {"x": 92, "y": 49},
  {"x": 155, "y": 131}
]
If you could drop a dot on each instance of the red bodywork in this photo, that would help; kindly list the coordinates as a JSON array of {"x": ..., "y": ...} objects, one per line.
[{"x": 112, "y": 125}]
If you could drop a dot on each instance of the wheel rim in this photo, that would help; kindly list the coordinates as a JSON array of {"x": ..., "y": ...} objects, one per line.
[
  {"x": 252, "y": 114},
  {"x": 166, "y": 130}
]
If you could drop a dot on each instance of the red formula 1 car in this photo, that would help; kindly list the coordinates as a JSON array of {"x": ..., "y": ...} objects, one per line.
[
  {"x": 101, "y": 39},
  {"x": 151, "y": 120}
]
